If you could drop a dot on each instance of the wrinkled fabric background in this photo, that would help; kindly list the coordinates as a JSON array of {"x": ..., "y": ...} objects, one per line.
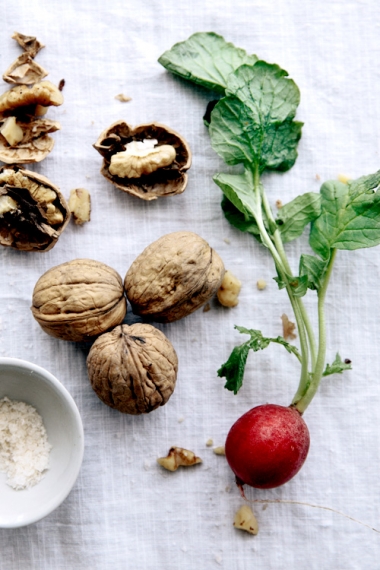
[{"x": 125, "y": 512}]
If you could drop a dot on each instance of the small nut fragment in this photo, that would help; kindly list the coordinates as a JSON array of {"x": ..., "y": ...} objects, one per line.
[
  {"x": 261, "y": 284},
  {"x": 220, "y": 450},
  {"x": 29, "y": 43},
  {"x": 80, "y": 205},
  {"x": 141, "y": 159},
  {"x": 177, "y": 457},
  {"x": 173, "y": 277},
  {"x": 11, "y": 131},
  {"x": 148, "y": 161},
  {"x": 41, "y": 214},
  {"x": 123, "y": 98},
  {"x": 79, "y": 300},
  {"x": 24, "y": 71},
  {"x": 288, "y": 328},
  {"x": 133, "y": 369},
  {"x": 229, "y": 290},
  {"x": 209, "y": 443},
  {"x": 246, "y": 520}
]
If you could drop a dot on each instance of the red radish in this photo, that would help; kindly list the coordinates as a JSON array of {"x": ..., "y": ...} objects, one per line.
[{"x": 267, "y": 446}]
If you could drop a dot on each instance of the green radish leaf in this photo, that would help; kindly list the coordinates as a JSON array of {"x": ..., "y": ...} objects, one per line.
[
  {"x": 314, "y": 269},
  {"x": 238, "y": 188},
  {"x": 206, "y": 59},
  {"x": 233, "y": 369},
  {"x": 243, "y": 222},
  {"x": 337, "y": 367},
  {"x": 254, "y": 124},
  {"x": 350, "y": 216},
  {"x": 294, "y": 216},
  {"x": 299, "y": 285}
]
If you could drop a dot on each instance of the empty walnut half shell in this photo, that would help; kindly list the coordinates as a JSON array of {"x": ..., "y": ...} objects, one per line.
[
  {"x": 133, "y": 368},
  {"x": 173, "y": 277},
  {"x": 33, "y": 212},
  {"x": 148, "y": 161},
  {"x": 79, "y": 300}
]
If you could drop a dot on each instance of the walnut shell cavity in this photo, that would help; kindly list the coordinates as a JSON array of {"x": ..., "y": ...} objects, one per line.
[
  {"x": 165, "y": 181},
  {"x": 33, "y": 212},
  {"x": 133, "y": 369},
  {"x": 173, "y": 277},
  {"x": 79, "y": 300}
]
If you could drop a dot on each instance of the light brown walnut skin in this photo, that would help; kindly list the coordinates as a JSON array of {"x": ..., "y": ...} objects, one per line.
[
  {"x": 133, "y": 369},
  {"x": 166, "y": 181},
  {"x": 79, "y": 300},
  {"x": 14, "y": 237},
  {"x": 173, "y": 277}
]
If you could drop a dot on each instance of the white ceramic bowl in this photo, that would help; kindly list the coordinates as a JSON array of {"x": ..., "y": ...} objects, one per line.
[{"x": 27, "y": 382}]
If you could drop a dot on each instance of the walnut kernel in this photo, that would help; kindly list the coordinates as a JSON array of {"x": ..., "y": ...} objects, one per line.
[
  {"x": 229, "y": 290},
  {"x": 80, "y": 205},
  {"x": 246, "y": 520},
  {"x": 141, "y": 158},
  {"x": 178, "y": 457}
]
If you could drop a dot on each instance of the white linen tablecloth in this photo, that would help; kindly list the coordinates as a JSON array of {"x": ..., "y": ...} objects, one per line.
[{"x": 125, "y": 512}]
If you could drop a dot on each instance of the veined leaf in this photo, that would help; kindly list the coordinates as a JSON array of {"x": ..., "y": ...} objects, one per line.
[
  {"x": 350, "y": 217},
  {"x": 233, "y": 369},
  {"x": 294, "y": 216},
  {"x": 238, "y": 188},
  {"x": 243, "y": 222},
  {"x": 206, "y": 59},
  {"x": 314, "y": 269},
  {"x": 254, "y": 124}
]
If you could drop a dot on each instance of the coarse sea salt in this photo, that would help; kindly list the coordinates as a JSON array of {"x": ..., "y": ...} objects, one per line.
[{"x": 24, "y": 446}]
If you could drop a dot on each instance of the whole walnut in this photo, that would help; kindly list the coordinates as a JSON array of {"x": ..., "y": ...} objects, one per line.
[
  {"x": 79, "y": 300},
  {"x": 133, "y": 368},
  {"x": 173, "y": 277}
]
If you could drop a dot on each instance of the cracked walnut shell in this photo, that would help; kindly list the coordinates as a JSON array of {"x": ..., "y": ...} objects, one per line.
[
  {"x": 173, "y": 277},
  {"x": 133, "y": 369},
  {"x": 148, "y": 161},
  {"x": 33, "y": 212},
  {"x": 79, "y": 300}
]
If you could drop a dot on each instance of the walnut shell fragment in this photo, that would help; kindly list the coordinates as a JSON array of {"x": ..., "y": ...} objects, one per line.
[
  {"x": 33, "y": 146},
  {"x": 24, "y": 71},
  {"x": 29, "y": 43},
  {"x": 79, "y": 300},
  {"x": 173, "y": 277},
  {"x": 150, "y": 171},
  {"x": 33, "y": 212},
  {"x": 178, "y": 457},
  {"x": 133, "y": 369}
]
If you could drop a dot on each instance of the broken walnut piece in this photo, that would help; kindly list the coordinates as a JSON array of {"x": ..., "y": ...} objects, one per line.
[
  {"x": 80, "y": 205},
  {"x": 159, "y": 172},
  {"x": 24, "y": 71},
  {"x": 40, "y": 215},
  {"x": 42, "y": 93},
  {"x": 178, "y": 457},
  {"x": 288, "y": 328},
  {"x": 246, "y": 520},
  {"x": 29, "y": 43},
  {"x": 229, "y": 290},
  {"x": 35, "y": 143}
]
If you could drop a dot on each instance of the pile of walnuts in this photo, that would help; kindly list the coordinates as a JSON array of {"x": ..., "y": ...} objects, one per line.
[{"x": 131, "y": 368}]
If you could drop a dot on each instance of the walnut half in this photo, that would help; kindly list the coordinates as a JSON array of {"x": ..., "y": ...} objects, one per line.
[
  {"x": 148, "y": 161},
  {"x": 133, "y": 368},
  {"x": 40, "y": 212}
]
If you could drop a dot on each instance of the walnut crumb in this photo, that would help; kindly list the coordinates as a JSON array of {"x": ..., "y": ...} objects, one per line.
[
  {"x": 288, "y": 328},
  {"x": 246, "y": 520},
  {"x": 279, "y": 204},
  {"x": 177, "y": 457},
  {"x": 209, "y": 443},
  {"x": 123, "y": 98},
  {"x": 221, "y": 450},
  {"x": 261, "y": 284},
  {"x": 207, "y": 308},
  {"x": 343, "y": 178}
]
